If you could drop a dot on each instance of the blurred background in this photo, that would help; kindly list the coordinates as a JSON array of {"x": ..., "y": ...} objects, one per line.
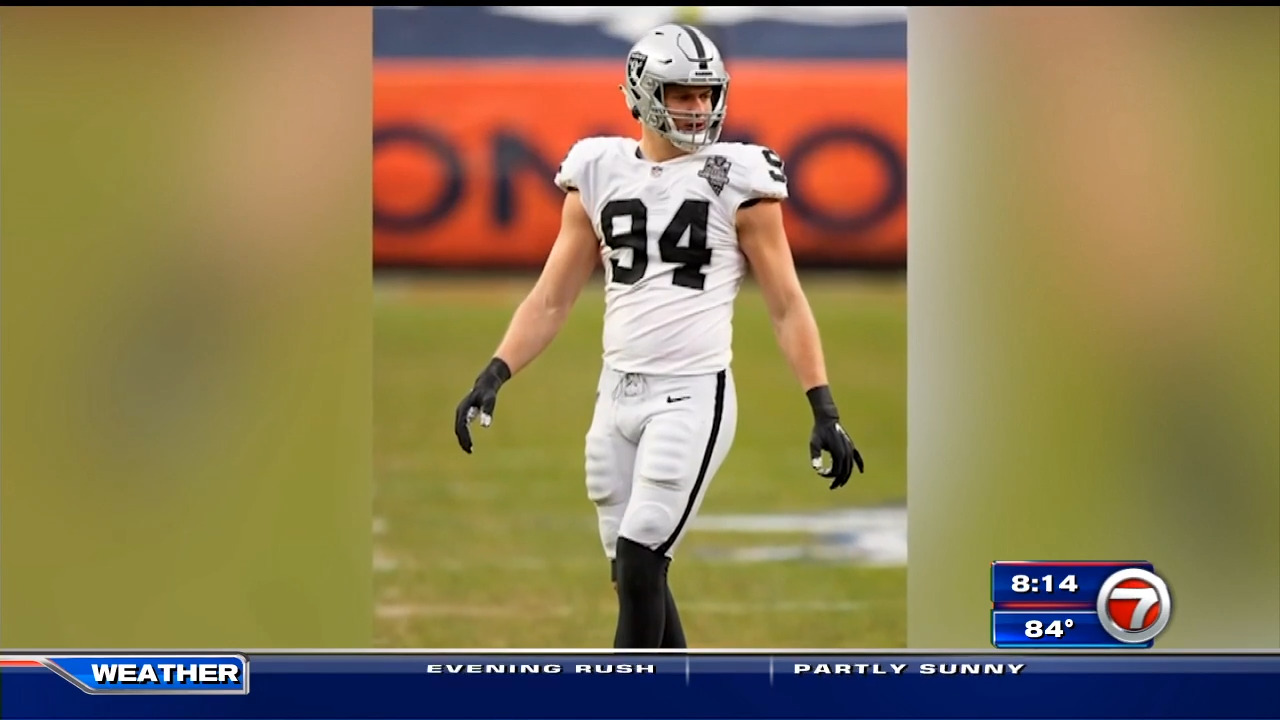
[{"x": 473, "y": 110}]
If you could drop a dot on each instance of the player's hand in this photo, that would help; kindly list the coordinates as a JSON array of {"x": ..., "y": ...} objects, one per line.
[
  {"x": 828, "y": 435},
  {"x": 480, "y": 401}
]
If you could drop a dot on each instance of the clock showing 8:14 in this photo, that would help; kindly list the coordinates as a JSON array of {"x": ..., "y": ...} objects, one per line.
[{"x": 1047, "y": 583}]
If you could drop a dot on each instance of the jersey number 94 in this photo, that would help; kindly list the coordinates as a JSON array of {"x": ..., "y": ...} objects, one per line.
[{"x": 690, "y": 218}]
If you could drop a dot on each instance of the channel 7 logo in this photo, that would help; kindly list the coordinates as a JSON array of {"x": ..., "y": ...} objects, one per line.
[{"x": 1134, "y": 605}]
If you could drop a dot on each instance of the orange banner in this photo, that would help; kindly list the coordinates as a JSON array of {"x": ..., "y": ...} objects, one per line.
[{"x": 464, "y": 155}]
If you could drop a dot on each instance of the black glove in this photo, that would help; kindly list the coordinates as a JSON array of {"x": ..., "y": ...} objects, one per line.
[
  {"x": 830, "y": 436},
  {"x": 481, "y": 400}
]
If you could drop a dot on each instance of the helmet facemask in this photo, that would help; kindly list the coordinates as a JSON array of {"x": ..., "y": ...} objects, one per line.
[{"x": 688, "y": 130}]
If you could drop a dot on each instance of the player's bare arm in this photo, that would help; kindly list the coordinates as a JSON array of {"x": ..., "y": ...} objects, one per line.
[
  {"x": 539, "y": 317},
  {"x": 763, "y": 239}
]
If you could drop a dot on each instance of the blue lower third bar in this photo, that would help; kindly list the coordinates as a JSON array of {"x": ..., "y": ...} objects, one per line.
[{"x": 413, "y": 686}]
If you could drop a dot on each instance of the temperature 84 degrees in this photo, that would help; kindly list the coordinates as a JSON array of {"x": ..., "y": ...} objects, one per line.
[
  {"x": 1036, "y": 629},
  {"x": 1134, "y": 606},
  {"x": 1047, "y": 629}
]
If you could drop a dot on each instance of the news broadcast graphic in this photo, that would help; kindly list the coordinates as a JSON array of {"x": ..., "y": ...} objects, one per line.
[
  {"x": 143, "y": 674},
  {"x": 1048, "y": 628},
  {"x": 1086, "y": 604},
  {"x": 1134, "y": 606},
  {"x": 669, "y": 686}
]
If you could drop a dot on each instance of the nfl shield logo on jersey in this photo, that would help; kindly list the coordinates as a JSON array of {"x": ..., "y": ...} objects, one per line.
[{"x": 716, "y": 172}]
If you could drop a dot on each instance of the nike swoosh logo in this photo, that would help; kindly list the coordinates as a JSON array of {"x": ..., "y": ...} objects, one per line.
[
  {"x": 678, "y": 399},
  {"x": 663, "y": 62}
]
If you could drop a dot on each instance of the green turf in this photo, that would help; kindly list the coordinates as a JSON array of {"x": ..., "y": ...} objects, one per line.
[{"x": 499, "y": 549}]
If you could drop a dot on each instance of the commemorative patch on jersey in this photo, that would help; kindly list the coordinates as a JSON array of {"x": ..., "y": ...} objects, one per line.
[{"x": 716, "y": 172}]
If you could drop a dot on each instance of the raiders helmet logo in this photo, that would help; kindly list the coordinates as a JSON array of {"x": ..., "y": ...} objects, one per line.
[{"x": 635, "y": 66}]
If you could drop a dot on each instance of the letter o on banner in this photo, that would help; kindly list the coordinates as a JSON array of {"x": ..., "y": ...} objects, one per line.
[
  {"x": 423, "y": 140},
  {"x": 895, "y": 186}
]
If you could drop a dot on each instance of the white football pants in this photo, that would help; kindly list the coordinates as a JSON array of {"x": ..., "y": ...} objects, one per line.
[{"x": 654, "y": 445}]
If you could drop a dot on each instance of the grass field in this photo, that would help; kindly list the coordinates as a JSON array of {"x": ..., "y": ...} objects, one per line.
[{"x": 499, "y": 549}]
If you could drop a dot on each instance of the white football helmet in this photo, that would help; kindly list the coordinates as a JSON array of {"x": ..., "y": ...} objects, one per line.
[{"x": 676, "y": 55}]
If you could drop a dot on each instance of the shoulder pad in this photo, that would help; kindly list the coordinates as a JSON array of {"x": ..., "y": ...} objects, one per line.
[
  {"x": 574, "y": 170},
  {"x": 760, "y": 172}
]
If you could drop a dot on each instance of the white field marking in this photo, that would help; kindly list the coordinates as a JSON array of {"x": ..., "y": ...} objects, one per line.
[
  {"x": 888, "y": 519},
  {"x": 867, "y": 552},
  {"x": 410, "y": 611},
  {"x": 388, "y": 563},
  {"x": 869, "y": 537},
  {"x": 885, "y": 556},
  {"x": 866, "y": 537},
  {"x": 832, "y": 521}
]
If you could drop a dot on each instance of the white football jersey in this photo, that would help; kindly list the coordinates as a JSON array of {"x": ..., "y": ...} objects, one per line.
[{"x": 669, "y": 242}]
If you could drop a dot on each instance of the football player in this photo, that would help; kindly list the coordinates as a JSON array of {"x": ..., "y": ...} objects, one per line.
[{"x": 676, "y": 218}]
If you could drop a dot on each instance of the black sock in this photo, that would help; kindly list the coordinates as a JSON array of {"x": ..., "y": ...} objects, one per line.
[
  {"x": 672, "y": 630},
  {"x": 642, "y": 596}
]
